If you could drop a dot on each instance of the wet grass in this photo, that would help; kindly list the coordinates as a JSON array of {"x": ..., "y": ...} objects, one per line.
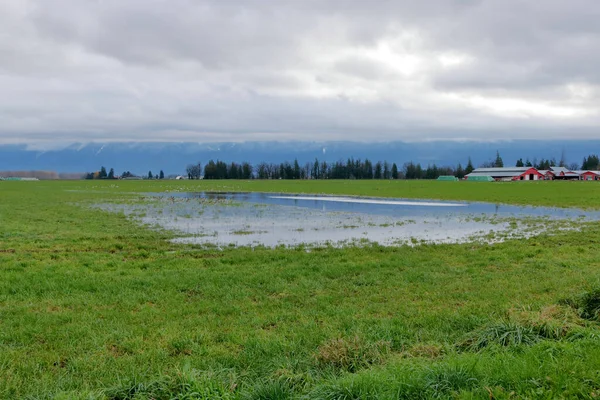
[{"x": 94, "y": 306}]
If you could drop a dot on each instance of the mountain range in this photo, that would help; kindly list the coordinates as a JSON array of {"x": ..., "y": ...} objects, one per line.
[{"x": 172, "y": 158}]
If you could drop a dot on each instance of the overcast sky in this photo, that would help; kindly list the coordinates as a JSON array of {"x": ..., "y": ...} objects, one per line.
[{"x": 241, "y": 70}]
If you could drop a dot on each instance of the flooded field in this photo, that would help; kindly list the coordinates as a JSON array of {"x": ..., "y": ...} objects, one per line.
[{"x": 262, "y": 219}]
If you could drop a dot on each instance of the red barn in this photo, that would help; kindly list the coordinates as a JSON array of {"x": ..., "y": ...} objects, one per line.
[
  {"x": 508, "y": 174},
  {"x": 561, "y": 173},
  {"x": 590, "y": 176}
]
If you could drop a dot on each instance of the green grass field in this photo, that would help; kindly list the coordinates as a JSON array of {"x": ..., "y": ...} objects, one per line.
[{"x": 93, "y": 306}]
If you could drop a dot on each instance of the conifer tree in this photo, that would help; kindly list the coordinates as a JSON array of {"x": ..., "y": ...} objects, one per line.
[
  {"x": 469, "y": 168},
  {"x": 394, "y": 171},
  {"x": 498, "y": 163}
]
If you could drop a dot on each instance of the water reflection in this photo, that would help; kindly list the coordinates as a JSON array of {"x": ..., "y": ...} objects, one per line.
[{"x": 250, "y": 219}]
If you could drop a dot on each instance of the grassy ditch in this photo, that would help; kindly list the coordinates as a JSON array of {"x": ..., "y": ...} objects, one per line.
[{"x": 94, "y": 306}]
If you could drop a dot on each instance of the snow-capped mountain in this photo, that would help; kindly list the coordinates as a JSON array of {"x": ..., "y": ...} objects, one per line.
[{"x": 172, "y": 157}]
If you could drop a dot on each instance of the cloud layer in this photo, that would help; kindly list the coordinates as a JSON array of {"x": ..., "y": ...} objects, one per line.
[{"x": 214, "y": 70}]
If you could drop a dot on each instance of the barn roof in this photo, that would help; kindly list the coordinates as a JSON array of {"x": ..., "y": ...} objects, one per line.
[
  {"x": 501, "y": 172},
  {"x": 515, "y": 169}
]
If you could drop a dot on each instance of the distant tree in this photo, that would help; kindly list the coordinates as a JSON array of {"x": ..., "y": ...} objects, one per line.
[
  {"x": 102, "y": 174},
  {"x": 194, "y": 171},
  {"x": 563, "y": 159},
  {"x": 573, "y": 167},
  {"x": 315, "y": 171},
  {"x": 378, "y": 170},
  {"x": 368, "y": 169},
  {"x": 498, "y": 163},
  {"x": 520, "y": 163},
  {"x": 591, "y": 163},
  {"x": 246, "y": 171},
  {"x": 394, "y": 171},
  {"x": 296, "y": 169},
  {"x": 127, "y": 174},
  {"x": 111, "y": 174},
  {"x": 161, "y": 175},
  {"x": 528, "y": 163},
  {"x": 150, "y": 175},
  {"x": 412, "y": 171},
  {"x": 469, "y": 168},
  {"x": 543, "y": 164},
  {"x": 306, "y": 170},
  {"x": 387, "y": 172},
  {"x": 460, "y": 172}
]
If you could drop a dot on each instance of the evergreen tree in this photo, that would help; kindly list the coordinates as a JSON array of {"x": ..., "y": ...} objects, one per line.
[
  {"x": 528, "y": 163},
  {"x": 315, "y": 173},
  {"x": 368, "y": 167},
  {"x": 419, "y": 172},
  {"x": 103, "y": 173},
  {"x": 386, "y": 170},
  {"x": 520, "y": 163},
  {"x": 469, "y": 168},
  {"x": 498, "y": 163},
  {"x": 111, "y": 174},
  {"x": 378, "y": 170},
  {"x": 161, "y": 175},
  {"x": 460, "y": 172},
  {"x": 246, "y": 171},
  {"x": 591, "y": 163},
  {"x": 296, "y": 169},
  {"x": 150, "y": 175},
  {"x": 394, "y": 171}
]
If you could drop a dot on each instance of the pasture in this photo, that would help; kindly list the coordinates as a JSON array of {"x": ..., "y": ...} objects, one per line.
[{"x": 96, "y": 306}]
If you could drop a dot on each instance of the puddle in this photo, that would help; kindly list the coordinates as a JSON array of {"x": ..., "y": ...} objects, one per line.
[{"x": 266, "y": 219}]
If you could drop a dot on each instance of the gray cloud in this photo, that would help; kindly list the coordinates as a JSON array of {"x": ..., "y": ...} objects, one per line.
[{"x": 297, "y": 69}]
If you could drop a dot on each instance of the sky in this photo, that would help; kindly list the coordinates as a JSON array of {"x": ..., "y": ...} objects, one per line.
[{"x": 324, "y": 70}]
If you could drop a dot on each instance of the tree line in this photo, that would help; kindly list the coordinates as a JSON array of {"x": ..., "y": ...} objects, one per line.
[
  {"x": 348, "y": 169},
  {"x": 102, "y": 174},
  {"x": 590, "y": 163},
  {"x": 364, "y": 169}
]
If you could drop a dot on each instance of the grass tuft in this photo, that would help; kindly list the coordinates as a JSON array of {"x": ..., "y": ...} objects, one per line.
[
  {"x": 351, "y": 354},
  {"x": 270, "y": 390},
  {"x": 586, "y": 304},
  {"x": 187, "y": 383},
  {"x": 501, "y": 333},
  {"x": 526, "y": 327},
  {"x": 445, "y": 379}
]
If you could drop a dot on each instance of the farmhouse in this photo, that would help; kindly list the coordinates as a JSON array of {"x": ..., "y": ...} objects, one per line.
[{"x": 507, "y": 174}]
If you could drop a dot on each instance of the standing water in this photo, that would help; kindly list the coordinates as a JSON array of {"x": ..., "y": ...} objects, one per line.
[{"x": 266, "y": 219}]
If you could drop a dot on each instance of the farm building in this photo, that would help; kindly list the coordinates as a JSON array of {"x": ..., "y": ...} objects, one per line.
[
  {"x": 561, "y": 173},
  {"x": 590, "y": 175},
  {"x": 507, "y": 174},
  {"x": 447, "y": 178}
]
